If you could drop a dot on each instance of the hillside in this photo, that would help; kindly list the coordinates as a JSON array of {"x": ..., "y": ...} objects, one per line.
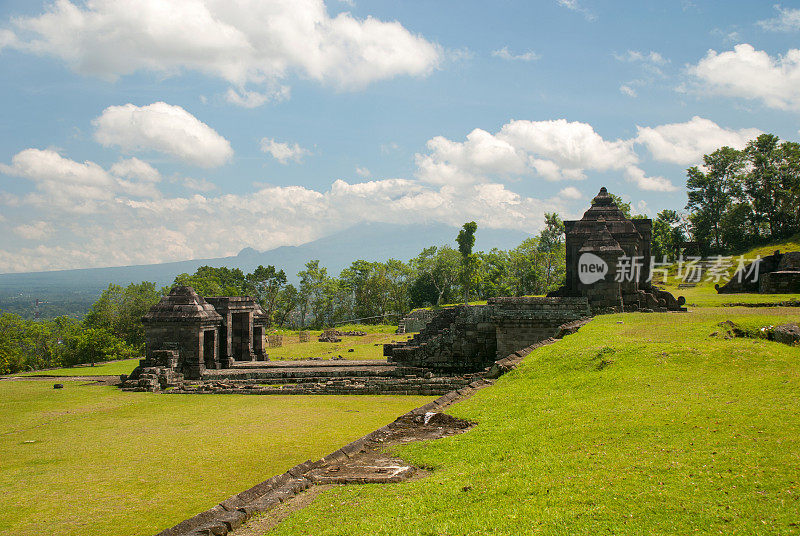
[
  {"x": 67, "y": 291},
  {"x": 703, "y": 293},
  {"x": 637, "y": 424}
]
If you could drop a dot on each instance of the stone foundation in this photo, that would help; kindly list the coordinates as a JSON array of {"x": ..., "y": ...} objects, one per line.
[{"x": 470, "y": 338}]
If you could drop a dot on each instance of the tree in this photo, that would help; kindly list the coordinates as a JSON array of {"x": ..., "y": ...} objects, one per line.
[
  {"x": 551, "y": 244},
  {"x": 287, "y": 302},
  {"x": 771, "y": 184},
  {"x": 266, "y": 284},
  {"x": 466, "y": 241},
  {"x": 440, "y": 267},
  {"x": 119, "y": 311},
  {"x": 211, "y": 281},
  {"x": 313, "y": 296},
  {"x": 668, "y": 234},
  {"x": 712, "y": 192}
]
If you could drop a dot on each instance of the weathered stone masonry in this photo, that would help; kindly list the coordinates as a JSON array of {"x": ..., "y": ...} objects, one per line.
[
  {"x": 605, "y": 232},
  {"x": 470, "y": 338},
  {"x": 187, "y": 334}
]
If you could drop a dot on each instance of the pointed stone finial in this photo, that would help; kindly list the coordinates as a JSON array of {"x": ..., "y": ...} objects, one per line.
[{"x": 603, "y": 198}]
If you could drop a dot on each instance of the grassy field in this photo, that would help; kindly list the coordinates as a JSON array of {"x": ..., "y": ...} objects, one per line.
[
  {"x": 637, "y": 424},
  {"x": 92, "y": 460},
  {"x": 111, "y": 368},
  {"x": 369, "y": 346}
]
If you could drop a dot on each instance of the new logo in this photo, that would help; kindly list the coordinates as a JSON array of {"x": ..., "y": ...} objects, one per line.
[{"x": 591, "y": 268}]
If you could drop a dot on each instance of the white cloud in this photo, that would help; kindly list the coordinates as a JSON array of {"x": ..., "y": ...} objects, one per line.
[
  {"x": 788, "y": 20},
  {"x": 198, "y": 185},
  {"x": 34, "y": 231},
  {"x": 390, "y": 147},
  {"x": 634, "y": 56},
  {"x": 133, "y": 168},
  {"x": 654, "y": 184},
  {"x": 363, "y": 172},
  {"x": 686, "y": 143},
  {"x": 752, "y": 74},
  {"x": 241, "y": 41},
  {"x": 197, "y": 226},
  {"x": 570, "y": 192},
  {"x": 254, "y": 99},
  {"x": 627, "y": 90},
  {"x": 554, "y": 150},
  {"x": 163, "y": 128},
  {"x": 506, "y": 55},
  {"x": 78, "y": 187},
  {"x": 283, "y": 152},
  {"x": 573, "y": 5}
]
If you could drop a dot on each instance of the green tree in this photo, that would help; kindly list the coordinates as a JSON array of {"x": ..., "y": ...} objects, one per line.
[
  {"x": 466, "y": 241},
  {"x": 439, "y": 268},
  {"x": 211, "y": 281},
  {"x": 119, "y": 311},
  {"x": 266, "y": 284},
  {"x": 712, "y": 192},
  {"x": 551, "y": 245},
  {"x": 668, "y": 234},
  {"x": 772, "y": 185}
]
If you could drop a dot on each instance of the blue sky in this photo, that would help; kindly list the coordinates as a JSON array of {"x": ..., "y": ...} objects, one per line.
[{"x": 194, "y": 128}]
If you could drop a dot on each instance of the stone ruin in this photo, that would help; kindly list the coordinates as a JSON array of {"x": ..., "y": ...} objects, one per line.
[
  {"x": 468, "y": 339},
  {"x": 186, "y": 334},
  {"x": 605, "y": 233},
  {"x": 778, "y": 273}
]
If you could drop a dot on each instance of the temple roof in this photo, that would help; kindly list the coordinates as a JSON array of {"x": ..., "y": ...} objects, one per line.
[
  {"x": 182, "y": 304},
  {"x": 600, "y": 240},
  {"x": 604, "y": 209}
]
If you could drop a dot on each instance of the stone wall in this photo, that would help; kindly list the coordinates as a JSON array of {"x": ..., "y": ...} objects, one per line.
[
  {"x": 415, "y": 321},
  {"x": 470, "y": 338}
]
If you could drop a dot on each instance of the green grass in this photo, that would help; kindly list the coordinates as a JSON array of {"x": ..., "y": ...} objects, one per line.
[
  {"x": 369, "y": 346},
  {"x": 704, "y": 294},
  {"x": 93, "y": 460},
  {"x": 112, "y": 368},
  {"x": 637, "y": 424}
]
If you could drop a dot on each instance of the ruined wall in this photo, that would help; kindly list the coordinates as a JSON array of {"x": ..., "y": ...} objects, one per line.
[
  {"x": 470, "y": 338},
  {"x": 415, "y": 321}
]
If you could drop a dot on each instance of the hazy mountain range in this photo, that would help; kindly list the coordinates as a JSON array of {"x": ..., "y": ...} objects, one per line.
[{"x": 372, "y": 242}]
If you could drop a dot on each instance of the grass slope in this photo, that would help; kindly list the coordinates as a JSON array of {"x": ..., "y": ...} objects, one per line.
[
  {"x": 637, "y": 424},
  {"x": 92, "y": 460},
  {"x": 704, "y": 294}
]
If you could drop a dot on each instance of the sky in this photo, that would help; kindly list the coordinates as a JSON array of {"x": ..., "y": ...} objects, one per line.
[{"x": 154, "y": 131}]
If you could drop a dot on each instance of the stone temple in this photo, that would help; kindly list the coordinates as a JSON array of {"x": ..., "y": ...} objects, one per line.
[
  {"x": 188, "y": 333},
  {"x": 623, "y": 245}
]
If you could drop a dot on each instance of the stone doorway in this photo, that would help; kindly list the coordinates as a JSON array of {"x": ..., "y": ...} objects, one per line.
[
  {"x": 209, "y": 349},
  {"x": 240, "y": 336}
]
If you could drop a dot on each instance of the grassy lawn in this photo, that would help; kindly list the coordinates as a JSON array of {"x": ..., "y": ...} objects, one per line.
[
  {"x": 704, "y": 294},
  {"x": 637, "y": 424},
  {"x": 92, "y": 460},
  {"x": 112, "y": 368},
  {"x": 369, "y": 346}
]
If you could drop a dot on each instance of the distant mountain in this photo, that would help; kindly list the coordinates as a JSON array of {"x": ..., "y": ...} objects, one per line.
[{"x": 372, "y": 242}]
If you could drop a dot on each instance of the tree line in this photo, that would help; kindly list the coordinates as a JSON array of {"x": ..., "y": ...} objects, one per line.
[
  {"x": 737, "y": 200},
  {"x": 365, "y": 292},
  {"x": 381, "y": 291}
]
